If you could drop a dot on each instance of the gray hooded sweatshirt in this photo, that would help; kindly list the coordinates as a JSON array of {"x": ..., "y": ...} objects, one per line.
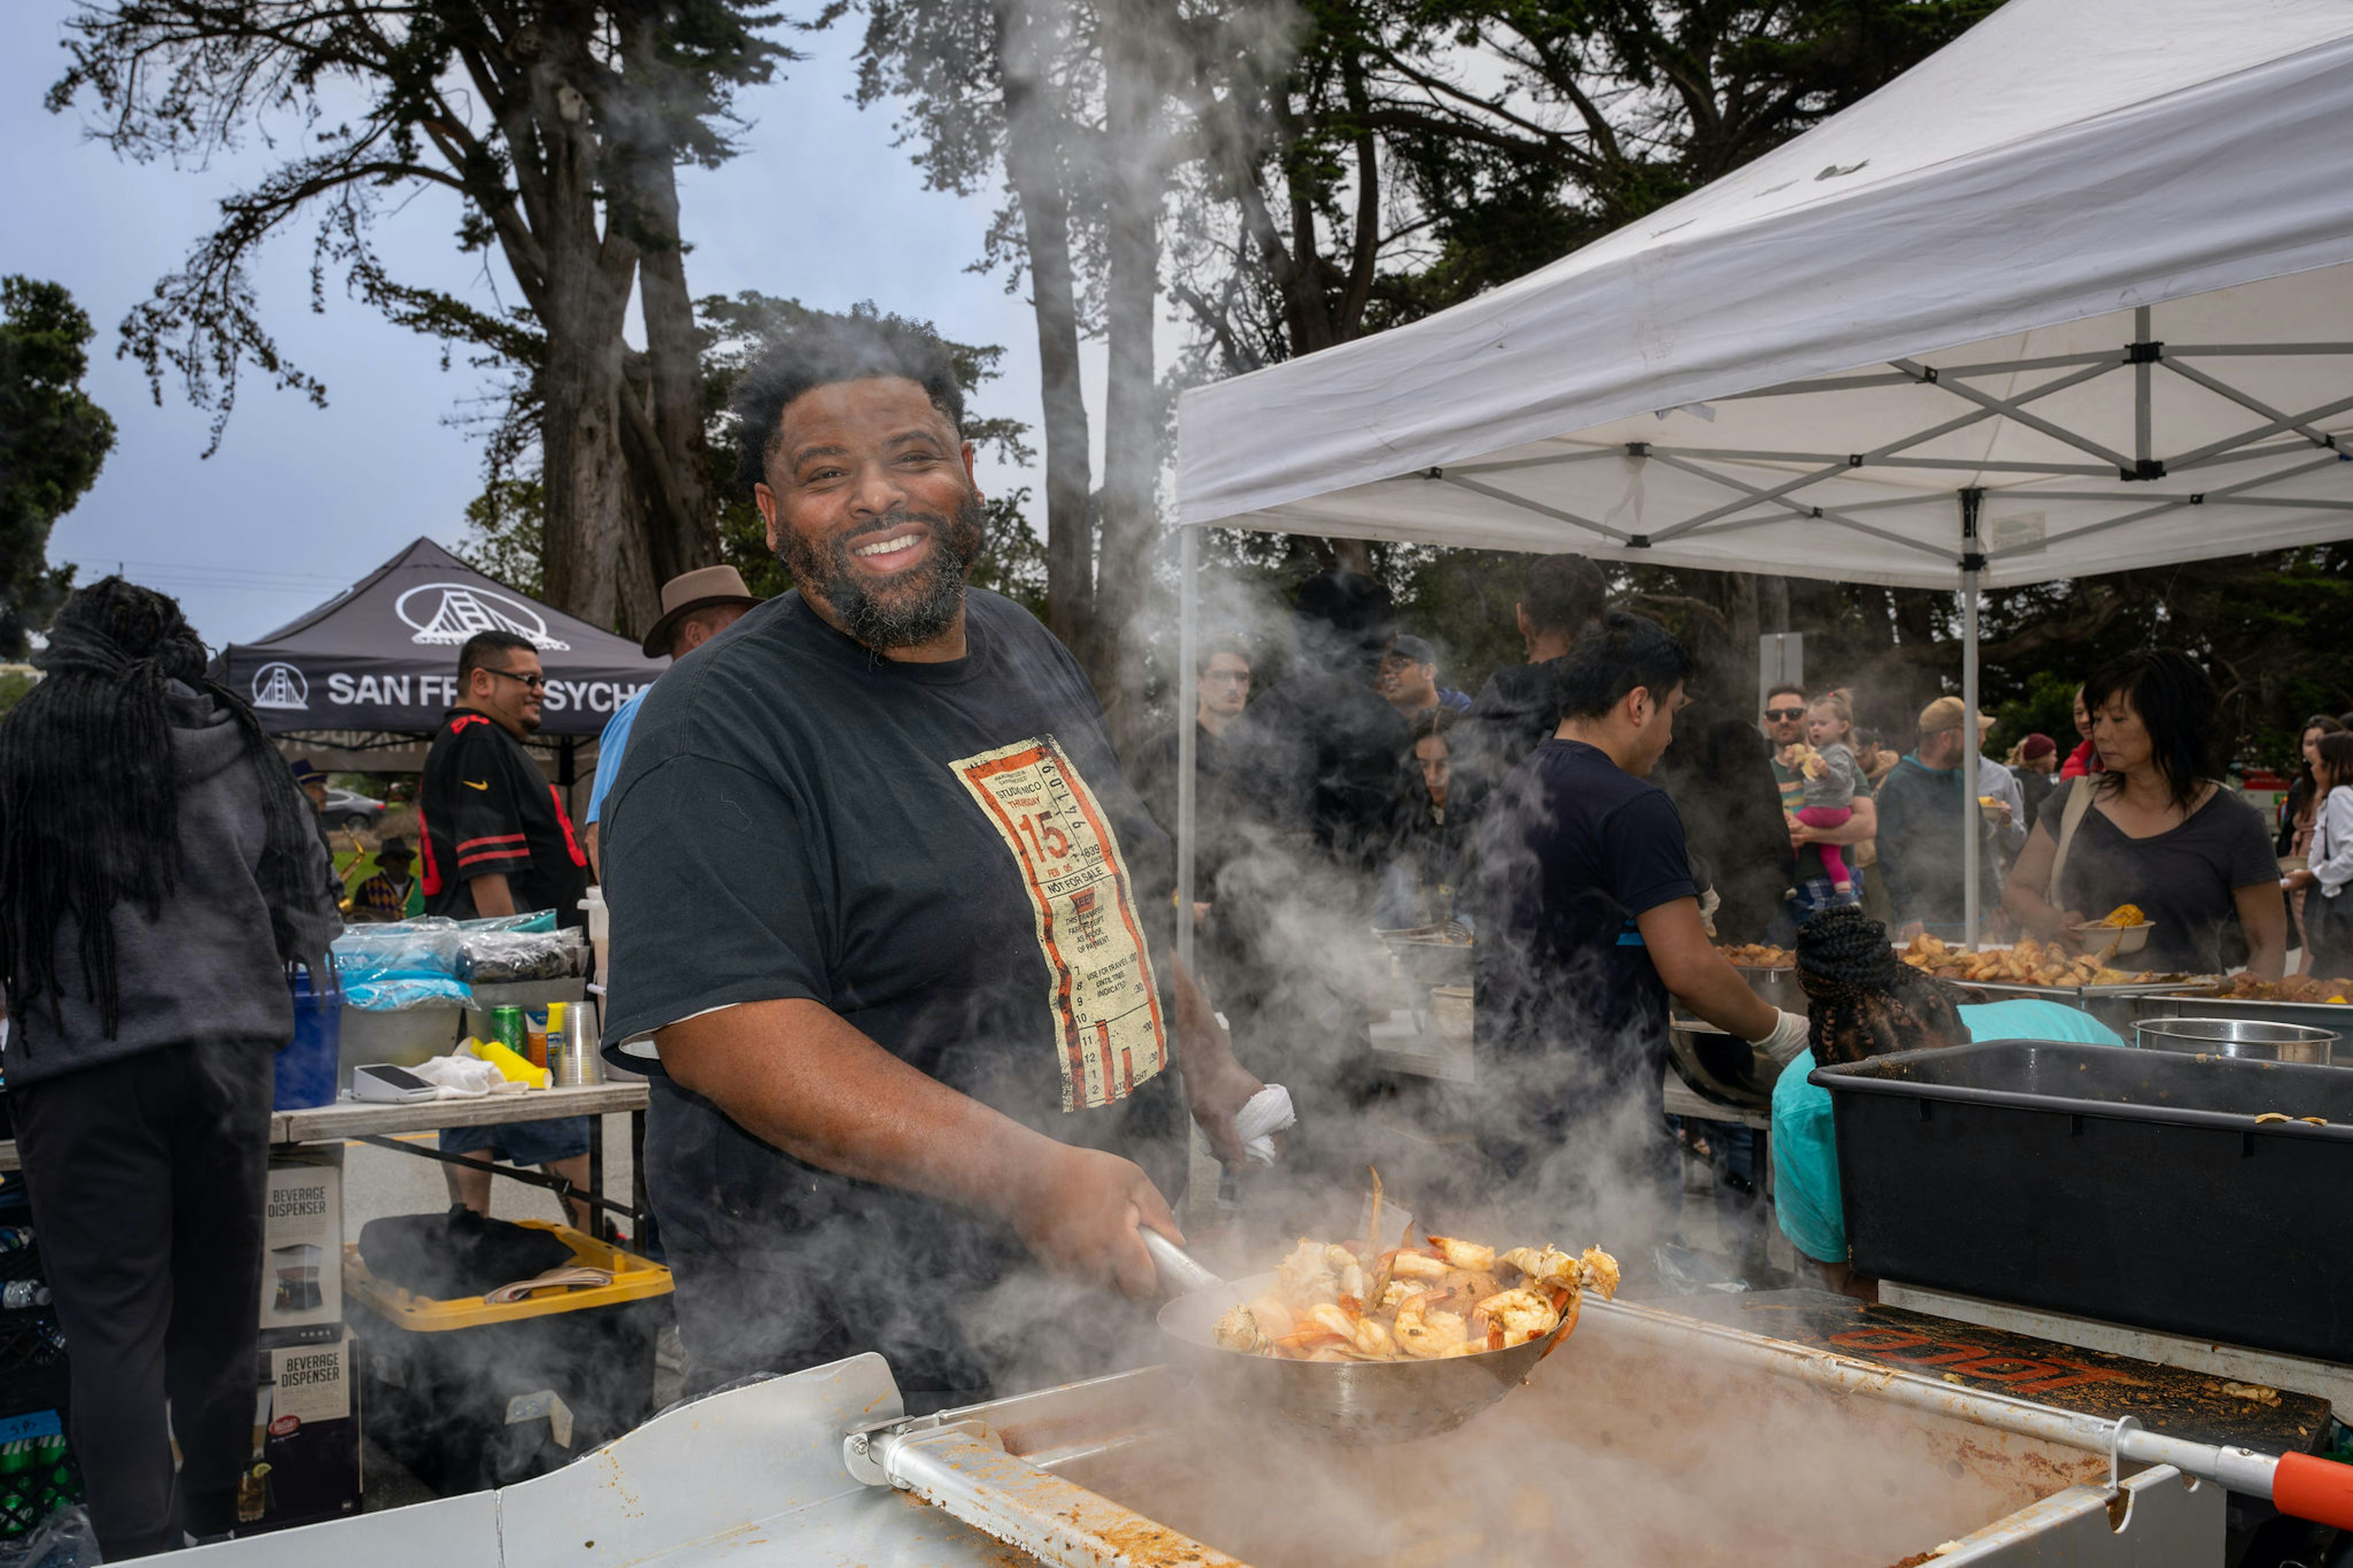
[{"x": 207, "y": 966}]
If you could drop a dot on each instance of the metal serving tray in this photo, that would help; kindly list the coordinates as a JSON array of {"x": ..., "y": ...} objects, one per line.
[{"x": 2178, "y": 1003}]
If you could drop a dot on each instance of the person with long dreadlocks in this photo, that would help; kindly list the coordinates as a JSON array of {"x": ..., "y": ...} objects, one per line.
[
  {"x": 158, "y": 869},
  {"x": 1862, "y": 1002}
]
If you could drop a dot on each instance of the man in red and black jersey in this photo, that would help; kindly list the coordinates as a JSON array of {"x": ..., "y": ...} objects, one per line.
[{"x": 498, "y": 841}]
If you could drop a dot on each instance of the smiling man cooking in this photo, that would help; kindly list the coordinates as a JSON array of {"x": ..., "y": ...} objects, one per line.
[{"x": 895, "y": 920}]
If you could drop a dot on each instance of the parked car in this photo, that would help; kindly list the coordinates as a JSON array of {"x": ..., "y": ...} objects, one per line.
[{"x": 348, "y": 808}]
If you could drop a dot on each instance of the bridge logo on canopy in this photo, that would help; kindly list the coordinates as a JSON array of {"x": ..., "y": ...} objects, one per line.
[
  {"x": 450, "y": 612},
  {"x": 279, "y": 685}
]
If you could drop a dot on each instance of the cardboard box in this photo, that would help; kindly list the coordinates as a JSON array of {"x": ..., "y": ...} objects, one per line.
[
  {"x": 306, "y": 1417},
  {"x": 302, "y": 1252}
]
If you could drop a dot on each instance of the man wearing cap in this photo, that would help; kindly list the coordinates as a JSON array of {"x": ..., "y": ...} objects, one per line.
[
  {"x": 1920, "y": 844},
  {"x": 696, "y": 606},
  {"x": 392, "y": 894},
  {"x": 1410, "y": 680}
]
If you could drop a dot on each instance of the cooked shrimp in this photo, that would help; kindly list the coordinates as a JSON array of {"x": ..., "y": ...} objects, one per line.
[
  {"x": 1365, "y": 1335},
  {"x": 1412, "y": 1263},
  {"x": 1551, "y": 1268},
  {"x": 1522, "y": 1313},
  {"x": 1597, "y": 1270},
  {"x": 1467, "y": 1255},
  {"x": 1429, "y": 1334},
  {"x": 1274, "y": 1319},
  {"x": 1400, "y": 1292}
]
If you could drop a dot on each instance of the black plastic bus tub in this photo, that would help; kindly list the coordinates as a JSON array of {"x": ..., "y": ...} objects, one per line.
[{"x": 2139, "y": 1187}]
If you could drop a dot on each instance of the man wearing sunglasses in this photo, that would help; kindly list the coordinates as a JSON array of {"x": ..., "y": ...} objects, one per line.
[
  {"x": 498, "y": 841},
  {"x": 1784, "y": 725}
]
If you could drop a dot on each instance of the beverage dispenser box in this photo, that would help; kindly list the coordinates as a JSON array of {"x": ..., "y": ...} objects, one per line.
[
  {"x": 305, "y": 1463},
  {"x": 302, "y": 1250}
]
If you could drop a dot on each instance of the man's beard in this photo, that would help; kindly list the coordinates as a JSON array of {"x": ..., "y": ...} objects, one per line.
[{"x": 909, "y": 609}]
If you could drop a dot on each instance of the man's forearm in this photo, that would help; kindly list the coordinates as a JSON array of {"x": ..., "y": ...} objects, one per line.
[
  {"x": 1864, "y": 825},
  {"x": 1694, "y": 971},
  {"x": 492, "y": 895},
  {"x": 798, "y": 1075}
]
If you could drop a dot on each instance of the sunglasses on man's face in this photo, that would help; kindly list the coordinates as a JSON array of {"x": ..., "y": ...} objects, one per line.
[
  {"x": 1785, "y": 712},
  {"x": 531, "y": 682}
]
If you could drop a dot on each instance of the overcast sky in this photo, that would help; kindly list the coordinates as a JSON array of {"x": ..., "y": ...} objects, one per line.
[{"x": 299, "y": 501}]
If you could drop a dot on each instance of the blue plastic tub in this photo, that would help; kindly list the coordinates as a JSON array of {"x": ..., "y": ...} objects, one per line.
[{"x": 309, "y": 1065}]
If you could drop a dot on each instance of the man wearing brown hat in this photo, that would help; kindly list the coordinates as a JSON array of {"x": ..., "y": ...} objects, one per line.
[
  {"x": 696, "y": 606},
  {"x": 1920, "y": 844}
]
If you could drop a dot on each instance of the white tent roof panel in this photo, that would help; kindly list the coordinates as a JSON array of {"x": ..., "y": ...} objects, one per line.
[{"x": 2000, "y": 216}]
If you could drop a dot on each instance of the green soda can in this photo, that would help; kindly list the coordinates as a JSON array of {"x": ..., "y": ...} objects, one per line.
[{"x": 507, "y": 1027}]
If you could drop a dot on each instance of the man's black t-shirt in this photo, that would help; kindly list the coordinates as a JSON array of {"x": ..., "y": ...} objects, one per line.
[
  {"x": 949, "y": 858},
  {"x": 1574, "y": 849},
  {"x": 485, "y": 808}
]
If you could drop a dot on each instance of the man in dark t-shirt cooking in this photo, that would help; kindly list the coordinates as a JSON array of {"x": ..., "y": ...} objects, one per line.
[
  {"x": 1590, "y": 922},
  {"x": 898, "y": 925}
]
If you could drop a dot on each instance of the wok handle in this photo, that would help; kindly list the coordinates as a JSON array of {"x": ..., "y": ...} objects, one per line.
[
  {"x": 2318, "y": 1489},
  {"x": 1179, "y": 1275}
]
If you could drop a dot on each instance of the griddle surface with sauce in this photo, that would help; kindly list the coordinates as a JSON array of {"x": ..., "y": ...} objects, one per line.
[{"x": 2175, "y": 1401}]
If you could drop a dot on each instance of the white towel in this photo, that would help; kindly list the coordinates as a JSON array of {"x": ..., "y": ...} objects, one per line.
[
  {"x": 460, "y": 1078},
  {"x": 1267, "y": 1113}
]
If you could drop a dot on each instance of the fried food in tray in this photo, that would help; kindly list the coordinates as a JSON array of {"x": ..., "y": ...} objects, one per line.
[
  {"x": 1452, "y": 1297},
  {"x": 1759, "y": 955},
  {"x": 2302, "y": 988},
  {"x": 2030, "y": 963}
]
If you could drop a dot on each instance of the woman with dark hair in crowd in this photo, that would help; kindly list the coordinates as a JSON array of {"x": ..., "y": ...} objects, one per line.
[
  {"x": 2085, "y": 760},
  {"x": 158, "y": 870},
  {"x": 2154, "y": 829},
  {"x": 1861, "y": 1002},
  {"x": 2328, "y": 916},
  {"x": 2034, "y": 760},
  {"x": 1427, "y": 881},
  {"x": 2299, "y": 813}
]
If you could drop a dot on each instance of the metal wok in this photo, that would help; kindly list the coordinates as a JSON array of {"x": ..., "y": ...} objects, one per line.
[{"x": 1339, "y": 1401}]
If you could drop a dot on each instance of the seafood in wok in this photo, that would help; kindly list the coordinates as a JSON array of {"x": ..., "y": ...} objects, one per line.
[{"x": 1449, "y": 1297}]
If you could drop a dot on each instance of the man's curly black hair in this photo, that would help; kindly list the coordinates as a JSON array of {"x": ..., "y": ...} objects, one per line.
[{"x": 826, "y": 349}]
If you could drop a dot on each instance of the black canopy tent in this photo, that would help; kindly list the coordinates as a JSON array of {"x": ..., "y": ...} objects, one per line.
[{"x": 362, "y": 678}]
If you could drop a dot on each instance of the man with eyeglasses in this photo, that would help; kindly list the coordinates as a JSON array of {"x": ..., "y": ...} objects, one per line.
[
  {"x": 1814, "y": 891},
  {"x": 498, "y": 841}
]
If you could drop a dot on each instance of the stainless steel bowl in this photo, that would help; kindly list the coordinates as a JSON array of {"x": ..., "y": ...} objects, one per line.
[
  {"x": 1775, "y": 987},
  {"x": 1344, "y": 1402},
  {"x": 2238, "y": 1037},
  {"x": 1719, "y": 1068}
]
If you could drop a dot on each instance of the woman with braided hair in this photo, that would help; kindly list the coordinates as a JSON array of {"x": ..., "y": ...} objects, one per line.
[
  {"x": 1863, "y": 1001},
  {"x": 157, "y": 872}
]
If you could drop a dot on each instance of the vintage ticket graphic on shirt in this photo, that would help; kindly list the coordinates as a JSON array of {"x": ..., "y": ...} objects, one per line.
[{"x": 1105, "y": 1003}]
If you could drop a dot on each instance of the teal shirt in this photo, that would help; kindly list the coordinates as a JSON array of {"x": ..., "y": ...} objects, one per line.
[{"x": 1805, "y": 1151}]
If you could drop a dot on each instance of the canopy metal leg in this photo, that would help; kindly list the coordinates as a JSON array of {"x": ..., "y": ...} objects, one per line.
[
  {"x": 1972, "y": 560},
  {"x": 1189, "y": 742}
]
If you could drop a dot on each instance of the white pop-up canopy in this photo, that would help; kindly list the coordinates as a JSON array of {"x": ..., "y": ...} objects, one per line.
[{"x": 2072, "y": 296}]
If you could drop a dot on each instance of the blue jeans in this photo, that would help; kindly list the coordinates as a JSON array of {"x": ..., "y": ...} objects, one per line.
[{"x": 1811, "y": 896}]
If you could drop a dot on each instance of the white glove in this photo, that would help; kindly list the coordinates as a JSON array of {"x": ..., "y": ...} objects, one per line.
[
  {"x": 1787, "y": 1038},
  {"x": 1266, "y": 1113}
]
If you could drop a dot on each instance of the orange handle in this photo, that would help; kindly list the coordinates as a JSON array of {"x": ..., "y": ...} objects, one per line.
[{"x": 2318, "y": 1489}]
